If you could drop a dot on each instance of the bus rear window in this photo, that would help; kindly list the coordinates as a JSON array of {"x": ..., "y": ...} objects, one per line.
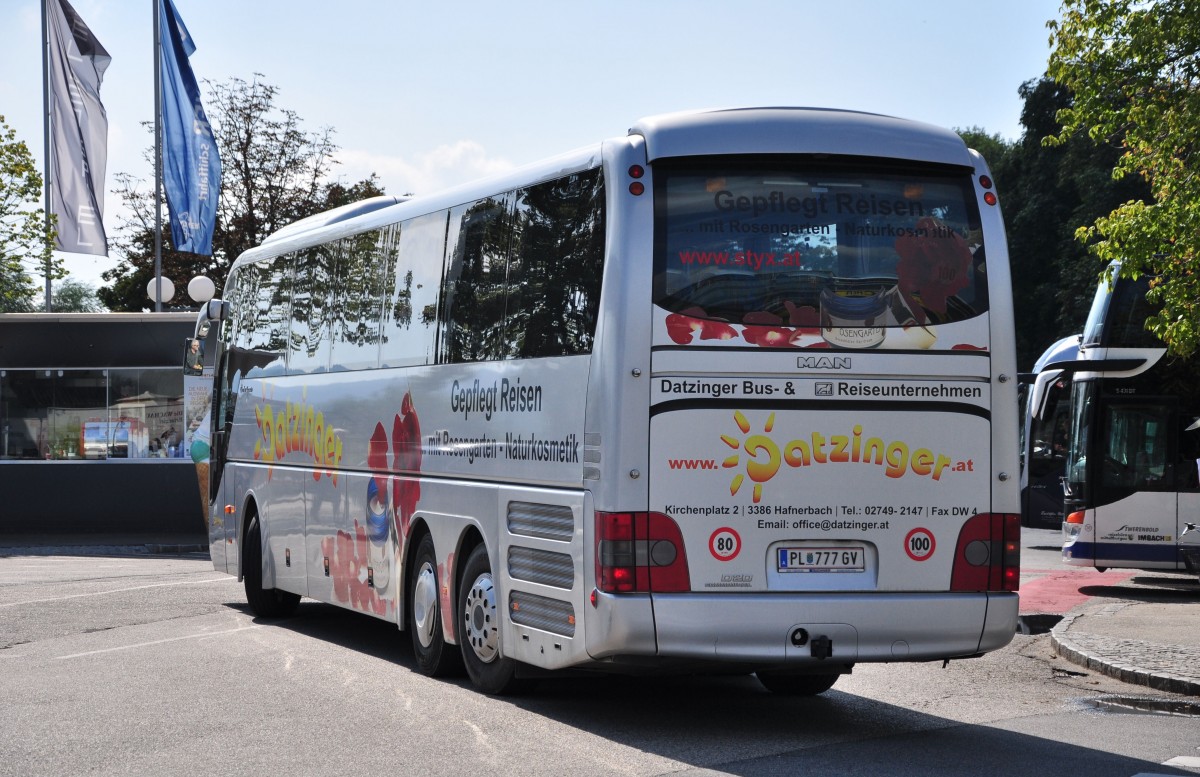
[{"x": 805, "y": 243}]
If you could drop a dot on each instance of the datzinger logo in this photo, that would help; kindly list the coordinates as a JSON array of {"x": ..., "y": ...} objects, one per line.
[
  {"x": 297, "y": 428},
  {"x": 765, "y": 456}
]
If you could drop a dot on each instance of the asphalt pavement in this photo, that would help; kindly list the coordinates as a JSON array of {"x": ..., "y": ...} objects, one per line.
[
  {"x": 1144, "y": 631},
  {"x": 1142, "y": 628}
]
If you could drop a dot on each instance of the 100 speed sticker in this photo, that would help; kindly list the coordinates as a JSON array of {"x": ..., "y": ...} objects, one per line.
[{"x": 919, "y": 544}]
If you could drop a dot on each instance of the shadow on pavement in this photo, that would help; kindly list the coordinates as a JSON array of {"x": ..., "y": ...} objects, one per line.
[{"x": 728, "y": 722}]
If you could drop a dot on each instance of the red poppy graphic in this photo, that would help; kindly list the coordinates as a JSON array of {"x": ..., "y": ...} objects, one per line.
[
  {"x": 804, "y": 316},
  {"x": 394, "y": 482},
  {"x": 683, "y": 327},
  {"x": 769, "y": 336},
  {"x": 348, "y": 565},
  {"x": 406, "y": 458},
  {"x": 762, "y": 318},
  {"x": 934, "y": 264},
  {"x": 406, "y": 452}
]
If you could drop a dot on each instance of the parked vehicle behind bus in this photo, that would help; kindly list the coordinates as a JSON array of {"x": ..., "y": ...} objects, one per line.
[
  {"x": 736, "y": 390},
  {"x": 1046, "y": 406},
  {"x": 1132, "y": 479}
]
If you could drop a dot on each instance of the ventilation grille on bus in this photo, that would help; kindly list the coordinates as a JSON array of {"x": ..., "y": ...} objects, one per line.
[
  {"x": 541, "y": 566},
  {"x": 538, "y": 612},
  {"x": 547, "y": 522}
]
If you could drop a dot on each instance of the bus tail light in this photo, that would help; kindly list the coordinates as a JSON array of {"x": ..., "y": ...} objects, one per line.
[
  {"x": 640, "y": 552},
  {"x": 988, "y": 554},
  {"x": 1075, "y": 517}
]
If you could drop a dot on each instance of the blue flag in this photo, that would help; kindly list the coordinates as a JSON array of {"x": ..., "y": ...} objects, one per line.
[{"x": 191, "y": 167}]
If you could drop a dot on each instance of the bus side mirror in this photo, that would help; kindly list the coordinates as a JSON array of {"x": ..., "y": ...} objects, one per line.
[{"x": 218, "y": 310}]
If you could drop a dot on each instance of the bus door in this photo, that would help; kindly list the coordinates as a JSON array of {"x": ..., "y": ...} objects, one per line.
[
  {"x": 1046, "y": 452},
  {"x": 1137, "y": 506}
]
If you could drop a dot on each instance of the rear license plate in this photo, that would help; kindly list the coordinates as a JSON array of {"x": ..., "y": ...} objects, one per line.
[{"x": 844, "y": 559}]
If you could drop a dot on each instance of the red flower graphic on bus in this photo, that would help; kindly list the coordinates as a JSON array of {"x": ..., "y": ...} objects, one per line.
[
  {"x": 684, "y": 326},
  {"x": 353, "y": 571},
  {"x": 405, "y": 447},
  {"x": 361, "y": 562},
  {"x": 758, "y": 328},
  {"x": 769, "y": 336},
  {"x": 933, "y": 263}
]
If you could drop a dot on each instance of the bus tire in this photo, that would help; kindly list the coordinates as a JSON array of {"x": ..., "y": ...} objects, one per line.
[
  {"x": 479, "y": 630},
  {"x": 434, "y": 657},
  {"x": 796, "y": 684},
  {"x": 264, "y": 603}
]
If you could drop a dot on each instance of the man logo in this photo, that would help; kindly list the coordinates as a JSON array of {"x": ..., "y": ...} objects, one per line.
[{"x": 823, "y": 362}]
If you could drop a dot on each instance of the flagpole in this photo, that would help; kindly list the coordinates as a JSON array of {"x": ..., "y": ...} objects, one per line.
[
  {"x": 46, "y": 136},
  {"x": 157, "y": 157}
]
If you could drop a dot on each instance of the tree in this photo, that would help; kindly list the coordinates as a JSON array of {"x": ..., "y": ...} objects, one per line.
[
  {"x": 273, "y": 173},
  {"x": 74, "y": 296},
  {"x": 25, "y": 237},
  {"x": 1047, "y": 193},
  {"x": 1134, "y": 69}
]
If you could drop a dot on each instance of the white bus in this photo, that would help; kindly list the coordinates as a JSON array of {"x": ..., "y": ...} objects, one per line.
[
  {"x": 1132, "y": 464},
  {"x": 736, "y": 391}
]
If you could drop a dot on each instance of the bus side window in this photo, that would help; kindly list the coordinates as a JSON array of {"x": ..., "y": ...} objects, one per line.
[
  {"x": 356, "y": 303},
  {"x": 412, "y": 254},
  {"x": 1139, "y": 448},
  {"x": 555, "y": 267},
  {"x": 475, "y": 292},
  {"x": 308, "y": 344}
]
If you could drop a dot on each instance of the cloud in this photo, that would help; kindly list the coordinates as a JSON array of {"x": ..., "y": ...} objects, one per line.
[{"x": 444, "y": 166}]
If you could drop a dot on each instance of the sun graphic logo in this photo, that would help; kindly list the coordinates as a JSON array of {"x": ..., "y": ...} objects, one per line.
[{"x": 763, "y": 453}]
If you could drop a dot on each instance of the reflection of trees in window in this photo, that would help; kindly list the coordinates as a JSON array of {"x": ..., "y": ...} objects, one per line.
[
  {"x": 402, "y": 312},
  {"x": 412, "y": 255},
  {"x": 263, "y": 306},
  {"x": 473, "y": 312},
  {"x": 309, "y": 347},
  {"x": 357, "y": 305},
  {"x": 554, "y": 271}
]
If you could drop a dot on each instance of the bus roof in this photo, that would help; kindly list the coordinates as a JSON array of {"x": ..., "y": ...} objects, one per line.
[
  {"x": 774, "y": 130},
  {"x": 757, "y": 131}
]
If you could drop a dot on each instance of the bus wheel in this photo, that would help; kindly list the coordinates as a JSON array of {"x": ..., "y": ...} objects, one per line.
[
  {"x": 479, "y": 636},
  {"x": 434, "y": 657},
  {"x": 796, "y": 684},
  {"x": 268, "y": 603}
]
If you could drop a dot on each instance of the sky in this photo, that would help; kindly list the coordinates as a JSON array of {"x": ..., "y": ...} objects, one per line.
[{"x": 432, "y": 94}]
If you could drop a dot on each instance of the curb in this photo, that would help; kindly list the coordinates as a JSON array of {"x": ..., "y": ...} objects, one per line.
[
  {"x": 156, "y": 549},
  {"x": 1159, "y": 681}
]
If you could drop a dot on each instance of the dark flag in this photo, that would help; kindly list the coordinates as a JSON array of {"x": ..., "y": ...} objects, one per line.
[
  {"x": 191, "y": 167},
  {"x": 78, "y": 130}
]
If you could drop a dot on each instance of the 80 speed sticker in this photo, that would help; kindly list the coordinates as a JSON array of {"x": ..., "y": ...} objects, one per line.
[
  {"x": 919, "y": 544},
  {"x": 725, "y": 544}
]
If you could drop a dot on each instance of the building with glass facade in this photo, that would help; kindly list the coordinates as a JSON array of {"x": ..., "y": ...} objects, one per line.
[{"x": 94, "y": 419}]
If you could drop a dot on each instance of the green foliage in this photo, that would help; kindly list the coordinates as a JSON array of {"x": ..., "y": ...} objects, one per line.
[
  {"x": 1134, "y": 68},
  {"x": 25, "y": 238},
  {"x": 1047, "y": 192},
  {"x": 73, "y": 296},
  {"x": 273, "y": 172}
]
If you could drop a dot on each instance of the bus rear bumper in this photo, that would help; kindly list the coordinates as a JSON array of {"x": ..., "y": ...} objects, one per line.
[{"x": 781, "y": 629}]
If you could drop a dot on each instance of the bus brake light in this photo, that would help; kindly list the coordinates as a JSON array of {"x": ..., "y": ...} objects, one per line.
[
  {"x": 988, "y": 554},
  {"x": 1075, "y": 517},
  {"x": 640, "y": 553}
]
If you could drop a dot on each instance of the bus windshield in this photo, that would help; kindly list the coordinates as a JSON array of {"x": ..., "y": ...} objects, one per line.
[{"x": 806, "y": 242}]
